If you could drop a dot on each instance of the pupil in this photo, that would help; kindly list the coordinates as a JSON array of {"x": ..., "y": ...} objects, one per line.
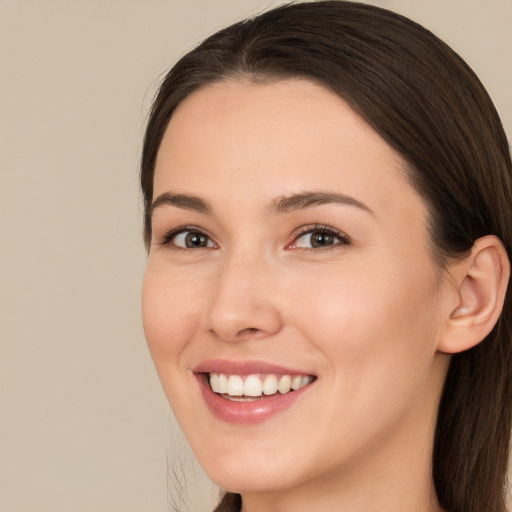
[
  {"x": 321, "y": 240},
  {"x": 195, "y": 240}
]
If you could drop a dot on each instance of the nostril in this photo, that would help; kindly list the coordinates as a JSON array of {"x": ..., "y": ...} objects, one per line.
[{"x": 249, "y": 331}]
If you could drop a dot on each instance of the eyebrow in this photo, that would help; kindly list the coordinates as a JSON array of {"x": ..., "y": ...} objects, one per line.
[
  {"x": 299, "y": 201},
  {"x": 184, "y": 201},
  {"x": 279, "y": 205}
]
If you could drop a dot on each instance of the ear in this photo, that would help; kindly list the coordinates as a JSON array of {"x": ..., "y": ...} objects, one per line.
[{"x": 481, "y": 282}]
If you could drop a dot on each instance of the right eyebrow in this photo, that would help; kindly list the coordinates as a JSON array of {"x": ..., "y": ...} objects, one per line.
[
  {"x": 184, "y": 201},
  {"x": 310, "y": 199}
]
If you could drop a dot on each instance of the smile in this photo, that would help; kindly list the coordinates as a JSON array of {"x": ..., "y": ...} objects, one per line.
[
  {"x": 251, "y": 392},
  {"x": 253, "y": 387}
]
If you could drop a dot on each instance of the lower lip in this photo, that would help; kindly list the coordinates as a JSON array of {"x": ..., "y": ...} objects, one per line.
[{"x": 247, "y": 413}]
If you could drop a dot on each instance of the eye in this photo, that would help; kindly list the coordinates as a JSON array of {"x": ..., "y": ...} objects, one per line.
[
  {"x": 318, "y": 237},
  {"x": 187, "y": 238}
]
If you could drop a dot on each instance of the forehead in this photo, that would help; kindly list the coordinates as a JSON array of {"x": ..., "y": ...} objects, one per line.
[
  {"x": 280, "y": 110},
  {"x": 239, "y": 139}
]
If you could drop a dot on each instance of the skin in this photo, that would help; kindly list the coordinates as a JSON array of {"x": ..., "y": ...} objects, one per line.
[{"x": 365, "y": 316}]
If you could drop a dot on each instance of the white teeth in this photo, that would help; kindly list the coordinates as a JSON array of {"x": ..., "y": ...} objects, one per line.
[
  {"x": 223, "y": 384},
  {"x": 214, "y": 382},
  {"x": 255, "y": 385},
  {"x": 285, "y": 384},
  {"x": 235, "y": 385},
  {"x": 296, "y": 382},
  {"x": 306, "y": 379},
  {"x": 270, "y": 385}
]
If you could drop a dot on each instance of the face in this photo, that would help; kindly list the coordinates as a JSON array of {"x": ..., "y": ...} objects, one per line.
[{"x": 290, "y": 270}]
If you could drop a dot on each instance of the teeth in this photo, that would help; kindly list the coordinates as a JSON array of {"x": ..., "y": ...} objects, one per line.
[
  {"x": 297, "y": 382},
  {"x": 285, "y": 384},
  {"x": 256, "y": 385},
  {"x": 223, "y": 383},
  {"x": 306, "y": 379},
  {"x": 252, "y": 386},
  {"x": 270, "y": 385},
  {"x": 235, "y": 385},
  {"x": 214, "y": 382}
]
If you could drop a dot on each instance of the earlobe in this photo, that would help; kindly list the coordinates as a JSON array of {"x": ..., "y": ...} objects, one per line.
[{"x": 482, "y": 283}]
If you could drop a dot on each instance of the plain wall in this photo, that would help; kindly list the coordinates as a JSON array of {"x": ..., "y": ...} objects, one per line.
[{"x": 84, "y": 425}]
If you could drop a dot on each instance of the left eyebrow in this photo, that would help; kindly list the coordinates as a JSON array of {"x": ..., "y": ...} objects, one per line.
[
  {"x": 185, "y": 201},
  {"x": 299, "y": 201}
]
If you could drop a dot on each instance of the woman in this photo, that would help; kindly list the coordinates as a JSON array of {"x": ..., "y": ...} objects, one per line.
[{"x": 327, "y": 195}]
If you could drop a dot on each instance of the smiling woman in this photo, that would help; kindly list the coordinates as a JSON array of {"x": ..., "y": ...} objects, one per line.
[{"x": 327, "y": 212}]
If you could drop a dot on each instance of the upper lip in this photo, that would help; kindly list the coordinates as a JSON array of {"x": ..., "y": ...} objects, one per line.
[{"x": 232, "y": 367}]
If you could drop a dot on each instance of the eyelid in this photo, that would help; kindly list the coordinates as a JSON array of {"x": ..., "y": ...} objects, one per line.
[
  {"x": 343, "y": 238},
  {"x": 165, "y": 240}
]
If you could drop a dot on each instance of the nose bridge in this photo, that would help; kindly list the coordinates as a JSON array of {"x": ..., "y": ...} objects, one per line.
[{"x": 242, "y": 304}]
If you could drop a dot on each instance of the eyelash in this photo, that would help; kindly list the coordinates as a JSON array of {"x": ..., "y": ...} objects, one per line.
[
  {"x": 343, "y": 239},
  {"x": 170, "y": 236}
]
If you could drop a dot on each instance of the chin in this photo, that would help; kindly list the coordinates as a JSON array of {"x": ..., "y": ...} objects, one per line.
[
  {"x": 256, "y": 467},
  {"x": 244, "y": 479}
]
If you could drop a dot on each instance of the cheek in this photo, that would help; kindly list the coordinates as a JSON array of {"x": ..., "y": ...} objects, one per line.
[
  {"x": 169, "y": 314},
  {"x": 377, "y": 339},
  {"x": 372, "y": 319}
]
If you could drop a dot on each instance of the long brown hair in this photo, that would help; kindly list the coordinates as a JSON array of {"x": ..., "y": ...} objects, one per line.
[{"x": 425, "y": 101}]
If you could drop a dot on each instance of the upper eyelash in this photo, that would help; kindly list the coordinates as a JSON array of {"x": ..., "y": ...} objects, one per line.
[
  {"x": 172, "y": 233},
  {"x": 322, "y": 228}
]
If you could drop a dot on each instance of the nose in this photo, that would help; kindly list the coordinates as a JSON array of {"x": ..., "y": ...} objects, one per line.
[{"x": 244, "y": 302}]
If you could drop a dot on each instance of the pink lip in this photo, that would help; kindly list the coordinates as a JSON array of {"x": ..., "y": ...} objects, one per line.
[
  {"x": 243, "y": 368},
  {"x": 246, "y": 413}
]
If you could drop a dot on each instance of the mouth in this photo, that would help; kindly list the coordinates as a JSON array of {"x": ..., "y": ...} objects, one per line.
[
  {"x": 250, "y": 388},
  {"x": 250, "y": 392}
]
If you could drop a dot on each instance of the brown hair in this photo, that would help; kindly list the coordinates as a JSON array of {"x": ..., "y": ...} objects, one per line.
[{"x": 425, "y": 101}]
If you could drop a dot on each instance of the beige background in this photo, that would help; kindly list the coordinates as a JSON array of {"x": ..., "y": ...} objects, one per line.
[{"x": 84, "y": 426}]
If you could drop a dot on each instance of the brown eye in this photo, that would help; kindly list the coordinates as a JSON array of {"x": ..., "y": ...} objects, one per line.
[
  {"x": 191, "y": 240},
  {"x": 319, "y": 238}
]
